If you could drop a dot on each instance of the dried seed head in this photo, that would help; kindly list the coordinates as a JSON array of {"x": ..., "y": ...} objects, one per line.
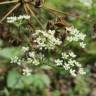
[{"x": 61, "y": 23}]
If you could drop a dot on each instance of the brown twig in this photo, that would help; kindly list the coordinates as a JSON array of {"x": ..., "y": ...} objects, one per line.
[
  {"x": 14, "y": 7},
  {"x": 32, "y": 13},
  {"x": 25, "y": 8},
  {"x": 8, "y": 2}
]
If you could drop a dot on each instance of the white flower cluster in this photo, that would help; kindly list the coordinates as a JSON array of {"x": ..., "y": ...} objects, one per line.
[
  {"x": 13, "y": 19},
  {"x": 26, "y": 70},
  {"x": 75, "y": 35},
  {"x": 69, "y": 63},
  {"x": 31, "y": 59},
  {"x": 46, "y": 39}
]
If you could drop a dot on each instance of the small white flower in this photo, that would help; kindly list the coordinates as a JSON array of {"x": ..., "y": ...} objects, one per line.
[
  {"x": 81, "y": 36},
  {"x": 77, "y": 64},
  {"x": 26, "y": 16},
  {"x": 25, "y": 49},
  {"x": 73, "y": 72},
  {"x": 58, "y": 62},
  {"x": 20, "y": 17},
  {"x": 83, "y": 45},
  {"x": 70, "y": 39},
  {"x": 32, "y": 54},
  {"x": 66, "y": 66},
  {"x": 36, "y": 62},
  {"x": 71, "y": 54},
  {"x": 29, "y": 60},
  {"x": 27, "y": 71},
  {"x": 71, "y": 62},
  {"x": 14, "y": 59},
  {"x": 10, "y": 21},
  {"x": 19, "y": 62},
  {"x": 65, "y": 55},
  {"x": 81, "y": 71}
]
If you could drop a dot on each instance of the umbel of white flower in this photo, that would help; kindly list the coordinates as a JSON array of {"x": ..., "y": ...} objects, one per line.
[
  {"x": 32, "y": 58},
  {"x": 75, "y": 36},
  {"x": 13, "y": 19},
  {"x": 46, "y": 39},
  {"x": 68, "y": 62}
]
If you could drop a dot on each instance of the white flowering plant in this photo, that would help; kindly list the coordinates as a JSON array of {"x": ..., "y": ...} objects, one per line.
[{"x": 47, "y": 49}]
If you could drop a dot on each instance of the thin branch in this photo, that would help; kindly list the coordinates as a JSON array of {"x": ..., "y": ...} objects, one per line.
[
  {"x": 65, "y": 13},
  {"x": 34, "y": 16},
  {"x": 14, "y": 7},
  {"x": 54, "y": 10},
  {"x": 27, "y": 12},
  {"x": 8, "y": 2},
  {"x": 25, "y": 8}
]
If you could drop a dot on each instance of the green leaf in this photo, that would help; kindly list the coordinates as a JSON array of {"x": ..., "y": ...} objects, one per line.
[
  {"x": 81, "y": 85},
  {"x": 56, "y": 93},
  {"x": 41, "y": 81},
  {"x": 17, "y": 81},
  {"x": 27, "y": 81},
  {"x": 14, "y": 80},
  {"x": 10, "y": 52}
]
